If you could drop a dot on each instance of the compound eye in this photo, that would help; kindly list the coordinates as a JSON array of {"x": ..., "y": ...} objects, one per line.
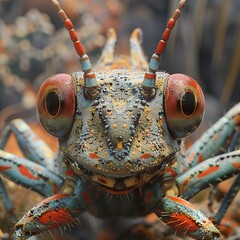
[
  {"x": 184, "y": 105},
  {"x": 56, "y": 104}
]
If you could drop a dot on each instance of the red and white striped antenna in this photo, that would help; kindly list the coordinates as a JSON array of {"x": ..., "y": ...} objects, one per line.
[
  {"x": 90, "y": 82},
  {"x": 148, "y": 84}
]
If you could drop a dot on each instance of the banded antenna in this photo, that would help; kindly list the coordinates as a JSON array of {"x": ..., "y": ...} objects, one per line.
[
  {"x": 148, "y": 84},
  {"x": 90, "y": 82}
]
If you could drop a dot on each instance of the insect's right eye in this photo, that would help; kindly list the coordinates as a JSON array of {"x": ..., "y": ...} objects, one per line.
[{"x": 56, "y": 104}]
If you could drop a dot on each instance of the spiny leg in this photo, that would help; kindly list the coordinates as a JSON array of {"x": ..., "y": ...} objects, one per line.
[
  {"x": 51, "y": 213},
  {"x": 106, "y": 59},
  {"x": 138, "y": 59},
  {"x": 232, "y": 192},
  {"x": 216, "y": 138},
  {"x": 209, "y": 172},
  {"x": 224, "y": 134},
  {"x": 184, "y": 218},
  {"x": 31, "y": 145},
  {"x": 29, "y": 174},
  {"x": 227, "y": 200}
]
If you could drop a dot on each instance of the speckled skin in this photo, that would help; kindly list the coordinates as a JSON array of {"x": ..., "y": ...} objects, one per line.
[
  {"x": 120, "y": 155},
  {"x": 119, "y": 134}
]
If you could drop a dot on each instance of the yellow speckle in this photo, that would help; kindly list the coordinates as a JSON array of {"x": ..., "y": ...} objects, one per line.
[
  {"x": 120, "y": 145},
  {"x": 115, "y": 126},
  {"x": 92, "y": 109},
  {"x": 124, "y": 125},
  {"x": 147, "y": 131},
  {"x": 91, "y": 133}
]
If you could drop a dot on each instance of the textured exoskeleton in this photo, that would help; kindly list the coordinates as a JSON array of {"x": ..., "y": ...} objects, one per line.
[{"x": 119, "y": 132}]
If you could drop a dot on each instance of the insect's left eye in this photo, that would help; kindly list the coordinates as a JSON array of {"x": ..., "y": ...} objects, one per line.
[
  {"x": 184, "y": 105},
  {"x": 56, "y": 104}
]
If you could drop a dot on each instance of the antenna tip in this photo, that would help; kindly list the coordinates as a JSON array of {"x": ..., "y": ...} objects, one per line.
[{"x": 181, "y": 4}]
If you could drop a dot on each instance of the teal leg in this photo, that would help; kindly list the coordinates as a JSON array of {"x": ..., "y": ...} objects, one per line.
[
  {"x": 218, "y": 137},
  {"x": 32, "y": 147},
  {"x": 208, "y": 172},
  {"x": 29, "y": 174},
  {"x": 227, "y": 200},
  {"x": 232, "y": 192},
  {"x": 185, "y": 219},
  {"x": 37, "y": 172}
]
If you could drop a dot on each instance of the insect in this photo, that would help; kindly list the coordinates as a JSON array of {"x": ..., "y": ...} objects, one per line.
[{"x": 119, "y": 132}]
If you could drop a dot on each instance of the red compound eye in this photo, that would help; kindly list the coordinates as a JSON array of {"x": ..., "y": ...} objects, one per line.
[
  {"x": 184, "y": 105},
  {"x": 56, "y": 104}
]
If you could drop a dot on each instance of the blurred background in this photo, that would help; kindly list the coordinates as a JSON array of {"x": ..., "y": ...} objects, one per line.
[{"x": 205, "y": 44}]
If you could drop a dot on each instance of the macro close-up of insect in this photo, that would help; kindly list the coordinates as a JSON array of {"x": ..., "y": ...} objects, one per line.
[{"x": 121, "y": 125}]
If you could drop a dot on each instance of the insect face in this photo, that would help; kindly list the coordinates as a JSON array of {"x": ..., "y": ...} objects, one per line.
[{"x": 119, "y": 138}]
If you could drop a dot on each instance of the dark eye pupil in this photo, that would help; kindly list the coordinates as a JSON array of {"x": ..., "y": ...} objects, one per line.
[
  {"x": 188, "y": 104},
  {"x": 52, "y": 103}
]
